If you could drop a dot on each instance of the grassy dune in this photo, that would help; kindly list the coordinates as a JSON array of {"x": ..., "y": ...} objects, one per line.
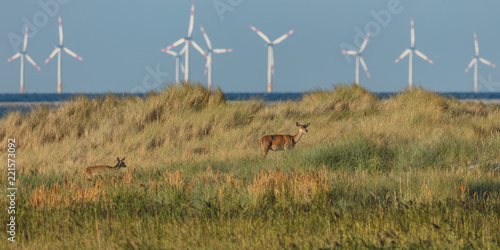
[{"x": 414, "y": 170}]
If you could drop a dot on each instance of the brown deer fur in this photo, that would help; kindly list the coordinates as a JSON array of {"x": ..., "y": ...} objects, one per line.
[
  {"x": 93, "y": 170},
  {"x": 280, "y": 142}
]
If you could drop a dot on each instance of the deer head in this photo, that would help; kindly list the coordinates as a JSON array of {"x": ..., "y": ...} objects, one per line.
[
  {"x": 121, "y": 163},
  {"x": 302, "y": 128}
]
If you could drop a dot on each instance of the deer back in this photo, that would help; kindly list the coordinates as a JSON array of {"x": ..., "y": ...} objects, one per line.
[
  {"x": 95, "y": 169},
  {"x": 276, "y": 142},
  {"x": 283, "y": 140}
]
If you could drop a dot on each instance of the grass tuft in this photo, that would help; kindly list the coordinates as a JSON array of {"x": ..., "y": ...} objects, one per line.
[{"x": 416, "y": 170}]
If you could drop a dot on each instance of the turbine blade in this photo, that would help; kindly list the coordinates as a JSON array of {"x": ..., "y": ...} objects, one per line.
[
  {"x": 364, "y": 43},
  {"x": 279, "y": 40},
  {"x": 73, "y": 54},
  {"x": 406, "y": 52},
  {"x": 197, "y": 47},
  {"x": 260, "y": 34},
  {"x": 191, "y": 20},
  {"x": 60, "y": 29},
  {"x": 349, "y": 52},
  {"x": 13, "y": 57},
  {"x": 470, "y": 65},
  {"x": 25, "y": 38},
  {"x": 169, "y": 52},
  {"x": 412, "y": 27},
  {"x": 423, "y": 56},
  {"x": 33, "y": 62},
  {"x": 476, "y": 45},
  {"x": 209, "y": 44},
  {"x": 218, "y": 51},
  {"x": 183, "y": 50},
  {"x": 175, "y": 44},
  {"x": 487, "y": 62},
  {"x": 365, "y": 68},
  {"x": 51, "y": 55}
]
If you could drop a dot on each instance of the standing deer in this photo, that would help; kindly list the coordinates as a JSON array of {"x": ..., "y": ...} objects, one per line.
[
  {"x": 280, "y": 142},
  {"x": 93, "y": 170}
]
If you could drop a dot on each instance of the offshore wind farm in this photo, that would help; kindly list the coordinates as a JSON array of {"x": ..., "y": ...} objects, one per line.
[{"x": 385, "y": 22}]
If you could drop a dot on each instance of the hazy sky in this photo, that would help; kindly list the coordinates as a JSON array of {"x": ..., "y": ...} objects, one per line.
[{"x": 120, "y": 42}]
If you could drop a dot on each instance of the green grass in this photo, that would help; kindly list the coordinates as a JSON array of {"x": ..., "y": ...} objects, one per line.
[{"x": 416, "y": 170}]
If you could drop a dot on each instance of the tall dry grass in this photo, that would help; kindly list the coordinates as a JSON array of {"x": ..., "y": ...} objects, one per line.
[
  {"x": 424, "y": 208},
  {"x": 372, "y": 172},
  {"x": 188, "y": 123}
]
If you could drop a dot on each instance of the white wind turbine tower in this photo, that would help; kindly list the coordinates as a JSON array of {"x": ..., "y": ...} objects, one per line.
[
  {"x": 270, "y": 55},
  {"x": 208, "y": 66},
  {"x": 475, "y": 63},
  {"x": 187, "y": 40},
  {"x": 409, "y": 51},
  {"x": 359, "y": 58},
  {"x": 23, "y": 54},
  {"x": 58, "y": 51},
  {"x": 177, "y": 56}
]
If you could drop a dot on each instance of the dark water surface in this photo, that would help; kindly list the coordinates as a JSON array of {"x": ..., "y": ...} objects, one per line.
[{"x": 8, "y": 101}]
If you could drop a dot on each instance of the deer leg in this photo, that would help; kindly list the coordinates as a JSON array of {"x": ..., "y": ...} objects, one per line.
[
  {"x": 265, "y": 149},
  {"x": 265, "y": 146}
]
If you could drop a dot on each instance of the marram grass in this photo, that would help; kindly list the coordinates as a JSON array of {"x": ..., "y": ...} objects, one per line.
[{"x": 416, "y": 170}]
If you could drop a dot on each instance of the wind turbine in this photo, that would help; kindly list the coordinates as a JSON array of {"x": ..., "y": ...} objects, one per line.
[
  {"x": 58, "y": 51},
  {"x": 177, "y": 57},
  {"x": 270, "y": 55},
  {"x": 187, "y": 40},
  {"x": 474, "y": 62},
  {"x": 208, "y": 66},
  {"x": 359, "y": 58},
  {"x": 23, "y": 54},
  {"x": 409, "y": 51}
]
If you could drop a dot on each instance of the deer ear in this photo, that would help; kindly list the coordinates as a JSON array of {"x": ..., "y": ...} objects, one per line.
[
  {"x": 118, "y": 159},
  {"x": 297, "y": 123},
  {"x": 123, "y": 159},
  {"x": 307, "y": 125}
]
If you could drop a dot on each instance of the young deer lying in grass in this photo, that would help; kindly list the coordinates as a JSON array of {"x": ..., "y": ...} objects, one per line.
[
  {"x": 90, "y": 171},
  {"x": 280, "y": 142}
]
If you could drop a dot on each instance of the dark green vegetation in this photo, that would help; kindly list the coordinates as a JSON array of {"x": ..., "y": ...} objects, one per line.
[{"x": 415, "y": 170}]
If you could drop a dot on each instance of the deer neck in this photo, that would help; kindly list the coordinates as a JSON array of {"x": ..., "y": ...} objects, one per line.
[{"x": 296, "y": 138}]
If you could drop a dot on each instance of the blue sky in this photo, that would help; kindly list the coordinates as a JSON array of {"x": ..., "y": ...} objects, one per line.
[{"x": 120, "y": 42}]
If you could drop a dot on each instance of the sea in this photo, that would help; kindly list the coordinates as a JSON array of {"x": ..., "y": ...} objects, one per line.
[{"x": 23, "y": 102}]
